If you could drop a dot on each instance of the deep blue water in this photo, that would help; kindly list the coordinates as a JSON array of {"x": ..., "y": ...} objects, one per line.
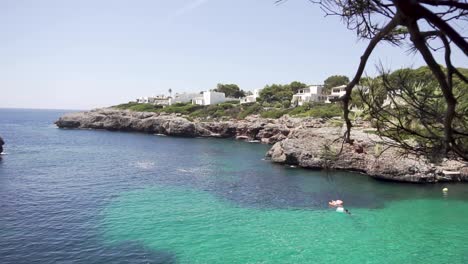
[{"x": 55, "y": 185}]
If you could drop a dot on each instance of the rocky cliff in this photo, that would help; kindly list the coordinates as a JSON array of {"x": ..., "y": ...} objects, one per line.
[
  {"x": 321, "y": 148},
  {"x": 265, "y": 130},
  {"x": 309, "y": 143}
]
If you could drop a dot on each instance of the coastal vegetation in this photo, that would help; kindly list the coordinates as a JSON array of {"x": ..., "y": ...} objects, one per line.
[
  {"x": 234, "y": 110},
  {"x": 280, "y": 95},
  {"x": 427, "y": 27},
  {"x": 230, "y": 90},
  {"x": 408, "y": 107},
  {"x": 333, "y": 81}
]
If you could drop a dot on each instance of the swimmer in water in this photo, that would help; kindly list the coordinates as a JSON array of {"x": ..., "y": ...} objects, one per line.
[{"x": 341, "y": 209}]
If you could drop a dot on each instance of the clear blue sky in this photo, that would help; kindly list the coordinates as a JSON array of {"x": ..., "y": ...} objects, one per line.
[{"x": 92, "y": 53}]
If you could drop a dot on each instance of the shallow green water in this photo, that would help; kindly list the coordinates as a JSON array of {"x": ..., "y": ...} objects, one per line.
[{"x": 200, "y": 228}]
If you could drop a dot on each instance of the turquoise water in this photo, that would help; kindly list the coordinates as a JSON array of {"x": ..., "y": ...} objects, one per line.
[
  {"x": 82, "y": 196},
  {"x": 202, "y": 229}
]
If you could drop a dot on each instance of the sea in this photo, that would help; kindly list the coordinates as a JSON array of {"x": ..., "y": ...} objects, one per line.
[{"x": 94, "y": 196}]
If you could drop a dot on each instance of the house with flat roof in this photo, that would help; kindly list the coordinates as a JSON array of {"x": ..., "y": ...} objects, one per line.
[
  {"x": 336, "y": 93},
  {"x": 251, "y": 98},
  {"x": 211, "y": 98},
  {"x": 183, "y": 98},
  {"x": 339, "y": 91},
  {"x": 310, "y": 94},
  {"x": 159, "y": 100}
]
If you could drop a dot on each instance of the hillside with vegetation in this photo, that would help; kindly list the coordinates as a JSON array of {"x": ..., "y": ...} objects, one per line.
[{"x": 234, "y": 110}]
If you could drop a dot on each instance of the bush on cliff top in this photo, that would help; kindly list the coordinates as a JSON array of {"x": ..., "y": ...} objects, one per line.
[
  {"x": 137, "y": 107},
  {"x": 238, "y": 111}
]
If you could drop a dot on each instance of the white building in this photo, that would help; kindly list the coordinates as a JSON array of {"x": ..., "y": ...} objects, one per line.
[
  {"x": 312, "y": 93},
  {"x": 339, "y": 91},
  {"x": 183, "y": 98},
  {"x": 251, "y": 98},
  {"x": 159, "y": 100},
  {"x": 336, "y": 93},
  {"x": 156, "y": 100},
  {"x": 142, "y": 100},
  {"x": 210, "y": 98}
]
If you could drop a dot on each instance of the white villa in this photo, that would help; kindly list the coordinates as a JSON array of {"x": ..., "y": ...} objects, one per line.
[
  {"x": 160, "y": 100},
  {"x": 251, "y": 98},
  {"x": 312, "y": 93},
  {"x": 339, "y": 91},
  {"x": 336, "y": 93},
  {"x": 156, "y": 100},
  {"x": 210, "y": 98},
  {"x": 183, "y": 98},
  {"x": 167, "y": 100}
]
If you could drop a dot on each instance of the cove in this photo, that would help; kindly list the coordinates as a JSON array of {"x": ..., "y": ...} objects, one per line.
[{"x": 84, "y": 196}]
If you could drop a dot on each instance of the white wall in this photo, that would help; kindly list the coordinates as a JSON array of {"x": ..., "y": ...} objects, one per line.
[
  {"x": 256, "y": 93},
  {"x": 312, "y": 93},
  {"x": 316, "y": 89},
  {"x": 183, "y": 97},
  {"x": 251, "y": 98},
  {"x": 210, "y": 98}
]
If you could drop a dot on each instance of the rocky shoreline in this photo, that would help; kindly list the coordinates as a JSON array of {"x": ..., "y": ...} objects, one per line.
[{"x": 305, "y": 142}]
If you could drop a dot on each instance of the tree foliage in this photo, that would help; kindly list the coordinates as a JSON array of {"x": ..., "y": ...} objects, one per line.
[
  {"x": 333, "y": 81},
  {"x": 412, "y": 113},
  {"x": 280, "y": 93},
  {"x": 276, "y": 93},
  {"x": 296, "y": 86},
  {"x": 231, "y": 90},
  {"x": 427, "y": 26}
]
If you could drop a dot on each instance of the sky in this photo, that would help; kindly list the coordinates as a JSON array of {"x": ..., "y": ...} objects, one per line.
[{"x": 84, "y": 54}]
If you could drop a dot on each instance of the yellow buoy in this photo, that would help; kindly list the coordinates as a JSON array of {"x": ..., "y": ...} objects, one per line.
[{"x": 445, "y": 189}]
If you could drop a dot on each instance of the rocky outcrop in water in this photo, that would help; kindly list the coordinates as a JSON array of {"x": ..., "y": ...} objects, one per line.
[
  {"x": 304, "y": 142},
  {"x": 1, "y": 144},
  {"x": 265, "y": 130},
  {"x": 322, "y": 148}
]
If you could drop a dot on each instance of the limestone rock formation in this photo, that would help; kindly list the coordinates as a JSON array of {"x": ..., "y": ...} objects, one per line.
[
  {"x": 265, "y": 130},
  {"x": 322, "y": 148}
]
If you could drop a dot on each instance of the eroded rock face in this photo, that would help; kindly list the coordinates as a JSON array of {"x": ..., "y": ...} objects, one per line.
[
  {"x": 322, "y": 148},
  {"x": 265, "y": 130}
]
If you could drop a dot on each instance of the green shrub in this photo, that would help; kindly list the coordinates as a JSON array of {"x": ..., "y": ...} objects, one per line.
[
  {"x": 278, "y": 105},
  {"x": 274, "y": 113},
  {"x": 250, "y": 109},
  {"x": 137, "y": 107},
  {"x": 322, "y": 110},
  {"x": 239, "y": 111}
]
